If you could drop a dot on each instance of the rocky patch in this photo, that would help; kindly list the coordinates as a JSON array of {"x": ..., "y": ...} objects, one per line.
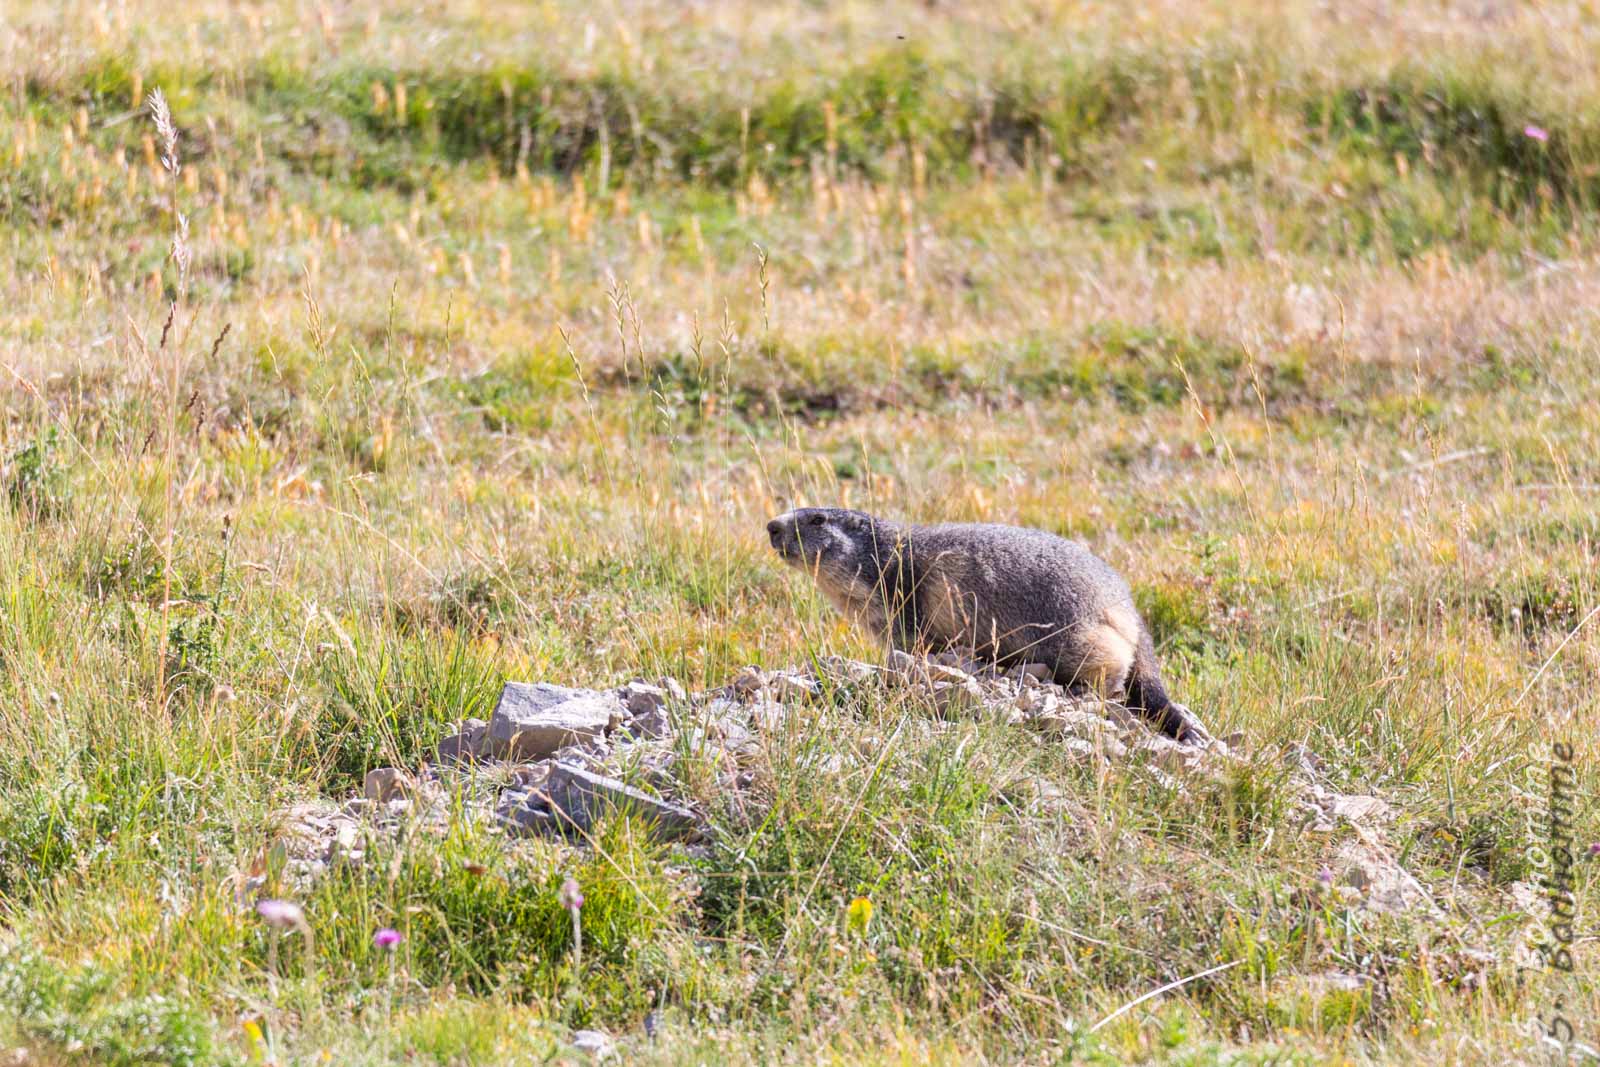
[{"x": 552, "y": 760}]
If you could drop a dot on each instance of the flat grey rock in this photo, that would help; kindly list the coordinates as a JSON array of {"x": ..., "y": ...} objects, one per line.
[
  {"x": 578, "y": 797},
  {"x": 533, "y": 721},
  {"x": 468, "y": 745}
]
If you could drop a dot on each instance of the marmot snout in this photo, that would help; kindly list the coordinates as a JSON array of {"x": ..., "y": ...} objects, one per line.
[{"x": 1004, "y": 594}]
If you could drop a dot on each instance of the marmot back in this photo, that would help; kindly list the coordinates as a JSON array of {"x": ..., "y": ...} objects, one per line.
[{"x": 1005, "y": 594}]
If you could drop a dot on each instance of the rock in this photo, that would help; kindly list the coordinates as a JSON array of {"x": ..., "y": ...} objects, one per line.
[
  {"x": 721, "y": 735},
  {"x": 675, "y": 690},
  {"x": 1302, "y": 759},
  {"x": 946, "y": 672},
  {"x": 467, "y": 746},
  {"x": 1081, "y": 750},
  {"x": 534, "y": 721},
  {"x": 595, "y": 1043},
  {"x": 641, "y": 698},
  {"x": 531, "y": 776},
  {"x": 835, "y": 763},
  {"x": 650, "y": 725},
  {"x": 733, "y": 734},
  {"x": 768, "y": 716},
  {"x": 1383, "y": 884},
  {"x": 1031, "y": 674},
  {"x": 526, "y": 812},
  {"x": 1121, "y": 717},
  {"x": 848, "y": 671},
  {"x": 1110, "y": 746},
  {"x": 952, "y": 698},
  {"x": 1079, "y": 740},
  {"x": 387, "y": 783},
  {"x": 1037, "y": 701},
  {"x": 791, "y": 685},
  {"x": 903, "y": 664},
  {"x": 1358, "y": 809},
  {"x": 577, "y": 797},
  {"x": 589, "y": 750},
  {"x": 952, "y": 661},
  {"x": 1169, "y": 755},
  {"x": 748, "y": 681}
]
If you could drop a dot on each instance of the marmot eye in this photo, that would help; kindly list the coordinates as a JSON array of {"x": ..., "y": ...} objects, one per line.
[{"x": 817, "y": 520}]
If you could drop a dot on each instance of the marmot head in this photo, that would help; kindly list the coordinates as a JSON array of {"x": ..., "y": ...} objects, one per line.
[{"x": 840, "y": 547}]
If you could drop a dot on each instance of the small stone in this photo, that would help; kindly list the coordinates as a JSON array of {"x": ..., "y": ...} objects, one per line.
[
  {"x": 733, "y": 734},
  {"x": 768, "y": 716},
  {"x": 595, "y": 1043},
  {"x": 947, "y": 672},
  {"x": 848, "y": 671},
  {"x": 468, "y": 745},
  {"x": 1049, "y": 723},
  {"x": 650, "y": 725},
  {"x": 835, "y": 763},
  {"x": 675, "y": 690},
  {"x": 387, "y": 783},
  {"x": 1302, "y": 759},
  {"x": 748, "y": 681},
  {"x": 1037, "y": 701},
  {"x": 1110, "y": 746},
  {"x": 531, "y": 776},
  {"x": 578, "y": 797},
  {"x": 1383, "y": 885},
  {"x": 903, "y": 664},
  {"x": 1358, "y": 809},
  {"x": 1080, "y": 750},
  {"x": 1031, "y": 674},
  {"x": 957, "y": 662},
  {"x": 953, "y": 698},
  {"x": 1168, "y": 754},
  {"x": 641, "y": 698},
  {"x": 1121, "y": 717},
  {"x": 521, "y": 812},
  {"x": 791, "y": 685},
  {"x": 534, "y": 721}
]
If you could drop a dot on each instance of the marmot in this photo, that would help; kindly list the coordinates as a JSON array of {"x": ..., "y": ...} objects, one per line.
[{"x": 1005, "y": 594}]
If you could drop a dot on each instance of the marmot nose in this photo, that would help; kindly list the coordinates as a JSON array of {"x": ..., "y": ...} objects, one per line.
[{"x": 774, "y": 528}]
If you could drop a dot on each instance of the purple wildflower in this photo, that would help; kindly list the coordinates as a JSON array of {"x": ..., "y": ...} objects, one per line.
[
  {"x": 1537, "y": 133},
  {"x": 387, "y": 938},
  {"x": 571, "y": 895},
  {"x": 284, "y": 914}
]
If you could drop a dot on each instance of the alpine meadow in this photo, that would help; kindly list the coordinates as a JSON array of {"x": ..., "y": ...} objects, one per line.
[{"x": 360, "y": 360}]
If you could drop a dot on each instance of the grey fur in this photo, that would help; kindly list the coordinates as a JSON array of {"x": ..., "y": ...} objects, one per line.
[{"x": 1005, "y": 594}]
